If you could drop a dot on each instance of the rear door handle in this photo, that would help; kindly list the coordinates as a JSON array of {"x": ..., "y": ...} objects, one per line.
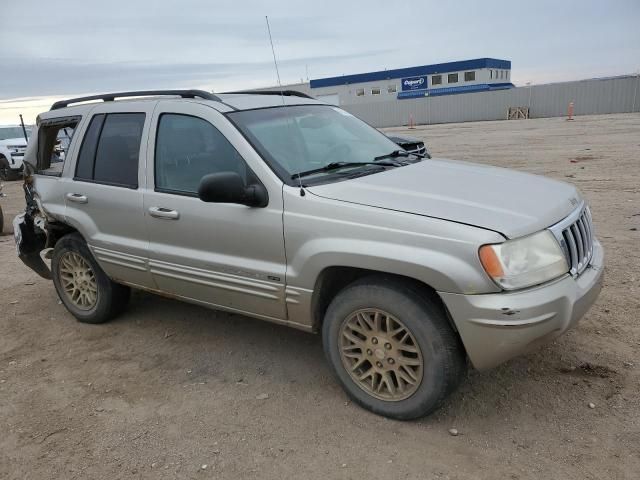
[
  {"x": 164, "y": 213},
  {"x": 77, "y": 198}
]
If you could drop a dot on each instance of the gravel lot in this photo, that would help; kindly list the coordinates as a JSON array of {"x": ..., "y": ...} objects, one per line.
[{"x": 168, "y": 388}]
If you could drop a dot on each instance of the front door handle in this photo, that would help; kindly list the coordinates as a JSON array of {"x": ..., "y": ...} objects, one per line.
[
  {"x": 77, "y": 198},
  {"x": 165, "y": 213}
]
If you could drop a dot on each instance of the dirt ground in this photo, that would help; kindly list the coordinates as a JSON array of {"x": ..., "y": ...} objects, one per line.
[{"x": 168, "y": 388}]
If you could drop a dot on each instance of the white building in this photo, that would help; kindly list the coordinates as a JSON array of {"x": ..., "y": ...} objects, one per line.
[{"x": 477, "y": 75}]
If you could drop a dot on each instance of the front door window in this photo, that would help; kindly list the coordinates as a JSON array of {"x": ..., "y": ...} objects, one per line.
[{"x": 187, "y": 149}]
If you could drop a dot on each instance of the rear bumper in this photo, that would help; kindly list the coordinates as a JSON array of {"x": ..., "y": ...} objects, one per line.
[
  {"x": 497, "y": 327},
  {"x": 29, "y": 244}
]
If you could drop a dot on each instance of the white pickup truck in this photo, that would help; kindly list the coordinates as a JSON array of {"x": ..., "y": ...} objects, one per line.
[{"x": 12, "y": 148}]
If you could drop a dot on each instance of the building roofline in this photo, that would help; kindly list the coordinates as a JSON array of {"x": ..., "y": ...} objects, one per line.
[{"x": 473, "y": 64}]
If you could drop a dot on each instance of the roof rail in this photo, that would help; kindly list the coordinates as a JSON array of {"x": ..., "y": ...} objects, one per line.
[
  {"x": 110, "y": 97},
  {"x": 286, "y": 93}
]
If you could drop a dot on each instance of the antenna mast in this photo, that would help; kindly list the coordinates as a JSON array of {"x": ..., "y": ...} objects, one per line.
[
  {"x": 273, "y": 51},
  {"x": 275, "y": 62}
]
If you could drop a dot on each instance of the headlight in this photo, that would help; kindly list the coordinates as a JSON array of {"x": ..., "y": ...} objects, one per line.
[{"x": 524, "y": 261}]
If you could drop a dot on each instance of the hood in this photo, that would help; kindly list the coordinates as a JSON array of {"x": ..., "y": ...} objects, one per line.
[
  {"x": 403, "y": 138},
  {"x": 505, "y": 201},
  {"x": 14, "y": 141}
]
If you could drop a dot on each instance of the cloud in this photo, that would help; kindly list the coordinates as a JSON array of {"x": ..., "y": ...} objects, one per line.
[
  {"x": 77, "y": 46},
  {"x": 67, "y": 77}
]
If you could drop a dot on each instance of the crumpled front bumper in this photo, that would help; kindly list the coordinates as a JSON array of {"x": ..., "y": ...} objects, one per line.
[{"x": 500, "y": 326}]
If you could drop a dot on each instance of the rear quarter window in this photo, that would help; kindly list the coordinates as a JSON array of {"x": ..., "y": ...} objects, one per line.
[{"x": 54, "y": 139}]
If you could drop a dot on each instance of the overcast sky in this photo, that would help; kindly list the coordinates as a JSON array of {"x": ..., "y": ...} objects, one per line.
[{"x": 61, "y": 48}]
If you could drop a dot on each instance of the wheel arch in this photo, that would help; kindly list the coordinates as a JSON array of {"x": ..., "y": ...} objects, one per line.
[
  {"x": 56, "y": 230},
  {"x": 333, "y": 279}
]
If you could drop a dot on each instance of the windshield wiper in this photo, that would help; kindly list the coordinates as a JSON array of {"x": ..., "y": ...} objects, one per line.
[
  {"x": 398, "y": 153},
  {"x": 338, "y": 165}
]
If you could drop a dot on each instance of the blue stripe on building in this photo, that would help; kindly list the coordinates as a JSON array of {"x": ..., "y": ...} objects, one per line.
[
  {"x": 413, "y": 94},
  {"x": 435, "y": 92}
]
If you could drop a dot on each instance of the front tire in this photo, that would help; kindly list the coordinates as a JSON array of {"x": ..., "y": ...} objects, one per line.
[
  {"x": 392, "y": 348},
  {"x": 85, "y": 290}
]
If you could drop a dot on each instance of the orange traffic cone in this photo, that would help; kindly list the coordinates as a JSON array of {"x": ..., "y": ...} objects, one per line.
[
  {"x": 412, "y": 125},
  {"x": 570, "y": 111}
]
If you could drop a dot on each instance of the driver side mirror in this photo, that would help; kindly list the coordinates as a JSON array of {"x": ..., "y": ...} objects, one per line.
[{"x": 228, "y": 187}]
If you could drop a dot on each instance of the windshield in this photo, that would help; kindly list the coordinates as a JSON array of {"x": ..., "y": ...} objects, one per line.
[
  {"x": 307, "y": 137},
  {"x": 12, "y": 132}
]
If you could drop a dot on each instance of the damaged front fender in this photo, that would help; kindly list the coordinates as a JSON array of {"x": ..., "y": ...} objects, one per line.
[{"x": 30, "y": 241}]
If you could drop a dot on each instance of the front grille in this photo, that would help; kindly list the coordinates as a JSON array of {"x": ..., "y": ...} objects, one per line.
[
  {"x": 575, "y": 235},
  {"x": 17, "y": 151},
  {"x": 418, "y": 148}
]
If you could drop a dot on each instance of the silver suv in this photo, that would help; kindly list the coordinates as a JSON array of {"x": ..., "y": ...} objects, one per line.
[{"x": 289, "y": 210}]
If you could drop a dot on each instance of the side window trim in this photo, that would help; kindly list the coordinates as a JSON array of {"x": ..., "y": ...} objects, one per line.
[
  {"x": 170, "y": 191},
  {"x": 102, "y": 117},
  {"x": 95, "y": 152}
]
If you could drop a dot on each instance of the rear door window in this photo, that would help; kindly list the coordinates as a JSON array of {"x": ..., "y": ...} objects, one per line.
[{"x": 111, "y": 149}]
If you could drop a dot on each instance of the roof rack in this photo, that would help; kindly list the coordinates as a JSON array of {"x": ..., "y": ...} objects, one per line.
[
  {"x": 110, "y": 97},
  {"x": 286, "y": 93}
]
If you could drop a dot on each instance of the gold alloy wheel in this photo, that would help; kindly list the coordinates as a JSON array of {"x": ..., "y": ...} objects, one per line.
[
  {"x": 78, "y": 281},
  {"x": 380, "y": 354}
]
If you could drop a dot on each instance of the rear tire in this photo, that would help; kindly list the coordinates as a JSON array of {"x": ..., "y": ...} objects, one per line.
[
  {"x": 4, "y": 169},
  {"x": 6, "y": 173},
  {"x": 407, "y": 374},
  {"x": 85, "y": 290}
]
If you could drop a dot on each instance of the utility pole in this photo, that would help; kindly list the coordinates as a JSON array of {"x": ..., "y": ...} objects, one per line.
[{"x": 635, "y": 91}]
